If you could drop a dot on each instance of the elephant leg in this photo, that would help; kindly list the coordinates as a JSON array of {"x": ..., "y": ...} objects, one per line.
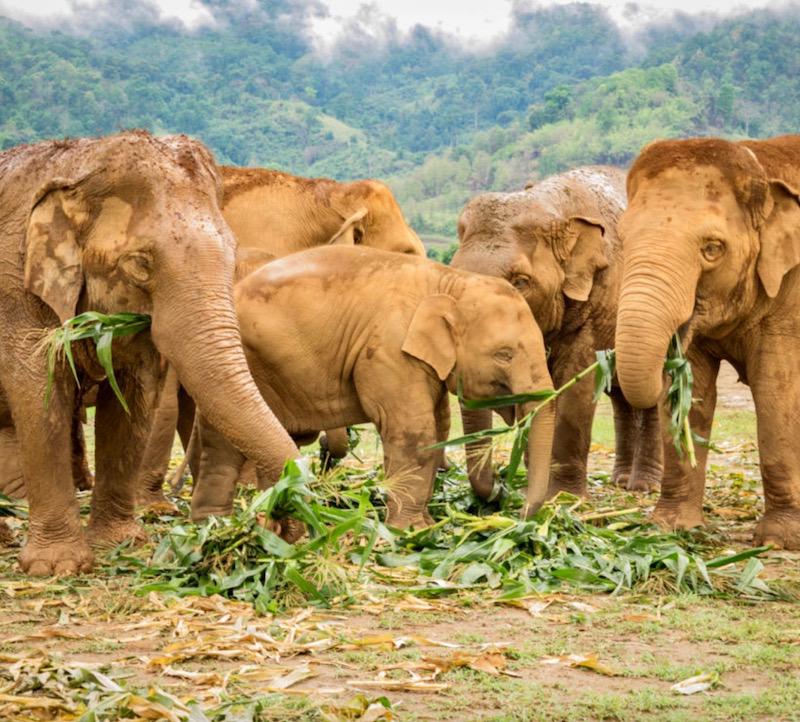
[
  {"x": 186, "y": 416},
  {"x": 479, "y": 453},
  {"x": 11, "y": 482},
  {"x": 625, "y": 433},
  {"x": 220, "y": 466},
  {"x": 777, "y": 401},
  {"x": 573, "y": 437},
  {"x": 120, "y": 441},
  {"x": 648, "y": 458},
  {"x": 333, "y": 447},
  {"x": 680, "y": 505},
  {"x": 55, "y": 542},
  {"x": 442, "y": 416},
  {"x": 410, "y": 464},
  {"x": 158, "y": 449},
  {"x": 81, "y": 473},
  {"x": 638, "y": 463}
]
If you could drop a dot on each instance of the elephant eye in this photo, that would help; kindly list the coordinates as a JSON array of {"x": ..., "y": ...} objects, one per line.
[
  {"x": 521, "y": 282},
  {"x": 504, "y": 355},
  {"x": 712, "y": 250}
]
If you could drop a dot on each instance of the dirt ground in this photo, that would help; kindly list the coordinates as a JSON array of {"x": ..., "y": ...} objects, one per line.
[{"x": 454, "y": 657}]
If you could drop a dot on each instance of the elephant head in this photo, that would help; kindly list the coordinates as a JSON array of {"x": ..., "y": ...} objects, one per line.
[
  {"x": 487, "y": 343},
  {"x": 138, "y": 228},
  {"x": 547, "y": 255},
  {"x": 707, "y": 238},
  {"x": 371, "y": 217}
]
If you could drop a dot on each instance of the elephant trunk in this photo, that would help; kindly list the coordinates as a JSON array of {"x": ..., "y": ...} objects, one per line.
[
  {"x": 657, "y": 297},
  {"x": 210, "y": 362},
  {"x": 479, "y": 453},
  {"x": 540, "y": 449}
]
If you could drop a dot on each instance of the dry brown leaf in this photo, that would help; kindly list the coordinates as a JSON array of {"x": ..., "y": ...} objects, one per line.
[
  {"x": 582, "y": 661},
  {"x": 641, "y": 618}
]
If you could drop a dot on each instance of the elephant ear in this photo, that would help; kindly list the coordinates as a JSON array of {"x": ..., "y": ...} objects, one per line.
[
  {"x": 431, "y": 335},
  {"x": 53, "y": 269},
  {"x": 780, "y": 237},
  {"x": 582, "y": 254},
  {"x": 351, "y": 232}
]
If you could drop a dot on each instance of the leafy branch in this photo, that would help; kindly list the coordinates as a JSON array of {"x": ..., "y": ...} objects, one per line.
[{"x": 102, "y": 329}]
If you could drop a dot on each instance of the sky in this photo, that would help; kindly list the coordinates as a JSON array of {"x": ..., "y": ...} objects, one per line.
[{"x": 471, "y": 20}]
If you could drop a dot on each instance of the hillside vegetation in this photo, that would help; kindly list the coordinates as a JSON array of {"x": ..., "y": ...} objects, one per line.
[{"x": 439, "y": 121}]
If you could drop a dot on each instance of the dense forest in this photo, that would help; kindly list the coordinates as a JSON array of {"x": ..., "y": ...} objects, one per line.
[{"x": 437, "y": 120}]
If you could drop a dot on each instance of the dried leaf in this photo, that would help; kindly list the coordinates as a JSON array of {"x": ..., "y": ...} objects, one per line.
[{"x": 698, "y": 683}]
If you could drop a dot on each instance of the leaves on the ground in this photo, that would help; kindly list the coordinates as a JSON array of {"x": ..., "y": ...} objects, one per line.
[{"x": 698, "y": 683}]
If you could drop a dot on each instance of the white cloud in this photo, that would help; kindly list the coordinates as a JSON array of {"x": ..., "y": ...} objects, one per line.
[{"x": 192, "y": 13}]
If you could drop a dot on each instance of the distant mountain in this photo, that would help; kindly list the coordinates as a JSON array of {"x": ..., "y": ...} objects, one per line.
[{"x": 564, "y": 87}]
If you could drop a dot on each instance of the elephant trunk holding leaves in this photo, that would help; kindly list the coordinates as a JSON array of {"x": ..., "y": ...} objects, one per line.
[
  {"x": 338, "y": 336},
  {"x": 123, "y": 223},
  {"x": 712, "y": 247},
  {"x": 556, "y": 243},
  {"x": 273, "y": 214}
]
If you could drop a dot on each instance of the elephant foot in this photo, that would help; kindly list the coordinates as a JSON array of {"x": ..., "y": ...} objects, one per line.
[
  {"x": 578, "y": 487},
  {"x": 781, "y": 529},
  {"x": 678, "y": 516},
  {"x": 156, "y": 503},
  {"x": 640, "y": 483},
  {"x": 106, "y": 533},
  {"x": 59, "y": 559},
  {"x": 6, "y": 535},
  {"x": 85, "y": 481},
  {"x": 287, "y": 528},
  {"x": 398, "y": 520},
  {"x": 200, "y": 514},
  {"x": 444, "y": 462}
]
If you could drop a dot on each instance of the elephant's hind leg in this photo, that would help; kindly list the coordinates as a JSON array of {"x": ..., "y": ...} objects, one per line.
[{"x": 638, "y": 463}]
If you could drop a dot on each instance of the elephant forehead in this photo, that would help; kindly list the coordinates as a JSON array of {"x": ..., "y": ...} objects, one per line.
[{"x": 703, "y": 186}]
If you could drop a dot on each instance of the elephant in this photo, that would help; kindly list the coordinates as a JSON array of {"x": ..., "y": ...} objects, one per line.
[
  {"x": 127, "y": 222},
  {"x": 711, "y": 240},
  {"x": 556, "y": 243},
  {"x": 273, "y": 214},
  {"x": 346, "y": 335}
]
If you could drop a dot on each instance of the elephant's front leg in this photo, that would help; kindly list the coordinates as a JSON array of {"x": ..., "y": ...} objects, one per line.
[
  {"x": 220, "y": 466},
  {"x": 120, "y": 441},
  {"x": 777, "y": 399},
  {"x": 573, "y": 436},
  {"x": 680, "y": 505},
  {"x": 638, "y": 462},
  {"x": 408, "y": 431},
  {"x": 55, "y": 542}
]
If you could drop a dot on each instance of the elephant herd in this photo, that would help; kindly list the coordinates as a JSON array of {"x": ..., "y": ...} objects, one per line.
[{"x": 283, "y": 306}]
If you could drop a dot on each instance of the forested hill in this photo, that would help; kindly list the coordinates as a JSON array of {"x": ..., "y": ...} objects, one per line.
[{"x": 438, "y": 120}]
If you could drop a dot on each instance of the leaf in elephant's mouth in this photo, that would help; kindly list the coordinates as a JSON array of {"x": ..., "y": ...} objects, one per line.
[{"x": 102, "y": 329}]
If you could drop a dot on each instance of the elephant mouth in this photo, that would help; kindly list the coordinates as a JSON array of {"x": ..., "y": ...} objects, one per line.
[{"x": 508, "y": 414}]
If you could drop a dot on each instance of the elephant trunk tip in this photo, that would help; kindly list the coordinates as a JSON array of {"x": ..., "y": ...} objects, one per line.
[{"x": 641, "y": 392}]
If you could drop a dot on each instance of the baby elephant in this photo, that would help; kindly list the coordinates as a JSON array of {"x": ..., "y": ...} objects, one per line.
[{"x": 344, "y": 335}]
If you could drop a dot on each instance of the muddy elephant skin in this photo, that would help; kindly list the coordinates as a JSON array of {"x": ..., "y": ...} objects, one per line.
[
  {"x": 556, "y": 242},
  {"x": 123, "y": 223},
  {"x": 274, "y": 214},
  {"x": 712, "y": 247},
  {"x": 343, "y": 335}
]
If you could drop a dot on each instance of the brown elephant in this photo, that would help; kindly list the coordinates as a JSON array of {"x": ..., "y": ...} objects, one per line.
[
  {"x": 338, "y": 336},
  {"x": 712, "y": 247},
  {"x": 556, "y": 243},
  {"x": 273, "y": 214},
  {"x": 123, "y": 223}
]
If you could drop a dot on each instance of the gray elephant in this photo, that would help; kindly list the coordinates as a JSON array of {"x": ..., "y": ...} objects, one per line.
[
  {"x": 123, "y": 223},
  {"x": 556, "y": 242}
]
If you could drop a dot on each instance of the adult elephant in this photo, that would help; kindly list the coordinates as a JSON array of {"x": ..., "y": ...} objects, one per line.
[
  {"x": 273, "y": 214},
  {"x": 123, "y": 223},
  {"x": 712, "y": 246},
  {"x": 557, "y": 243}
]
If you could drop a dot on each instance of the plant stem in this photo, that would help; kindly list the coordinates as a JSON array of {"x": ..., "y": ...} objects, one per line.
[{"x": 689, "y": 441}]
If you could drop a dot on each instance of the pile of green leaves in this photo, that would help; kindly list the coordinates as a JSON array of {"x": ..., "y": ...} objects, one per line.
[
  {"x": 556, "y": 548},
  {"x": 239, "y": 557},
  {"x": 102, "y": 329},
  {"x": 347, "y": 545}
]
